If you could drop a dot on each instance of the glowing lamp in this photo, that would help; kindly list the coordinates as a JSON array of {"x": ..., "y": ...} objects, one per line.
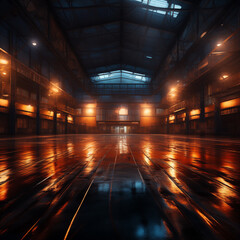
[
  {"x": 3, "y": 61},
  {"x": 219, "y": 44},
  {"x": 147, "y": 111},
  {"x": 123, "y": 111},
  {"x": 195, "y": 112},
  {"x": 225, "y": 76},
  {"x": 90, "y": 111},
  {"x": 34, "y": 43},
  {"x": 55, "y": 90}
]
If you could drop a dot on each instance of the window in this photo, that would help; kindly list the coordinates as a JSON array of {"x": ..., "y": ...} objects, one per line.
[
  {"x": 159, "y": 111},
  {"x": 123, "y": 111},
  {"x": 79, "y": 111},
  {"x": 22, "y": 92},
  {"x": 121, "y": 76},
  {"x": 44, "y": 100},
  {"x": 22, "y": 123},
  {"x": 44, "y": 124},
  {"x": 33, "y": 96},
  {"x": 161, "y": 4}
]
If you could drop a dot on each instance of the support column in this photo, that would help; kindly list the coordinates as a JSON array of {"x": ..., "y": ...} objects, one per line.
[
  {"x": 187, "y": 123},
  {"x": 12, "y": 109},
  {"x": 66, "y": 123},
  {"x": 167, "y": 124},
  {"x": 202, "y": 111},
  {"x": 217, "y": 118},
  {"x": 55, "y": 121},
  {"x": 55, "y": 115},
  {"x": 38, "y": 119},
  {"x": 74, "y": 125},
  {"x": 202, "y": 104}
]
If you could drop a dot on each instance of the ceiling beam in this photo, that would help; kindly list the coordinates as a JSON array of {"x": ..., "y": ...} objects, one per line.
[
  {"x": 103, "y": 64},
  {"x": 119, "y": 22}
]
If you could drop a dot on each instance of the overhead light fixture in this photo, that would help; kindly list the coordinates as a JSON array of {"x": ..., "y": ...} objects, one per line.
[
  {"x": 203, "y": 34},
  {"x": 149, "y": 57},
  {"x": 34, "y": 43},
  {"x": 224, "y": 76},
  {"x": 219, "y": 44}
]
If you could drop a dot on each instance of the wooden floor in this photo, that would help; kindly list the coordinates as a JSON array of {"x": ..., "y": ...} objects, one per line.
[{"x": 119, "y": 187}]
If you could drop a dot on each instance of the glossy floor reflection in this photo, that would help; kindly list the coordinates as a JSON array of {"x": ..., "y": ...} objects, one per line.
[{"x": 119, "y": 187}]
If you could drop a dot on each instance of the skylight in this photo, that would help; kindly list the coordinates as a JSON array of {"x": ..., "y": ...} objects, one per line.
[
  {"x": 121, "y": 76},
  {"x": 161, "y": 4}
]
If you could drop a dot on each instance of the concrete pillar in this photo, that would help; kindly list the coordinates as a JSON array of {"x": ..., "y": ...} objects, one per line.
[
  {"x": 55, "y": 116},
  {"x": 55, "y": 121},
  {"x": 202, "y": 104},
  {"x": 12, "y": 109},
  {"x": 66, "y": 123},
  {"x": 217, "y": 118},
  {"x": 38, "y": 120},
  {"x": 187, "y": 122},
  {"x": 202, "y": 111},
  {"x": 167, "y": 124}
]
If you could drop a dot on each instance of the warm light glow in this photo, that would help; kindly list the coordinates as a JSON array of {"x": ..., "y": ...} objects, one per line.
[
  {"x": 209, "y": 109},
  {"x": 195, "y": 112},
  {"x": 3, "y": 103},
  {"x": 219, "y": 44},
  {"x": 70, "y": 119},
  {"x": 4, "y": 73},
  {"x": 29, "y": 108},
  {"x": 91, "y": 105},
  {"x": 25, "y": 108},
  {"x": 123, "y": 111},
  {"x": 3, "y": 61},
  {"x": 90, "y": 111},
  {"x": 172, "y": 117},
  {"x": 224, "y": 76},
  {"x": 230, "y": 103},
  {"x": 147, "y": 111},
  {"x": 5, "y": 172},
  {"x": 50, "y": 113},
  {"x": 203, "y": 34},
  {"x": 173, "y": 92},
  {"x": 55, "y": 90}
]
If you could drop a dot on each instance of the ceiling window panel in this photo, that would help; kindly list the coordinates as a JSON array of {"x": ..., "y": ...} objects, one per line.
[
  {"x": 161, "y": 4},
  {"x": 121, "y": 76}
]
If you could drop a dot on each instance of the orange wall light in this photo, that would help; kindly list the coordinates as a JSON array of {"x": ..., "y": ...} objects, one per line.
[
  {"x": 123, "y": 111},
  {"x": 89, "y": 111},
  {"x": 4, "y": 103},
  {"x": 195, "y": 112},
  {"x": 230, "y": 103},
  {"x": 147, "y": 112}
]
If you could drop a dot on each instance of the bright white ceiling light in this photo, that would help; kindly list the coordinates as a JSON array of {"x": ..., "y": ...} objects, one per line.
[{"x": 34, "y": 43}]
